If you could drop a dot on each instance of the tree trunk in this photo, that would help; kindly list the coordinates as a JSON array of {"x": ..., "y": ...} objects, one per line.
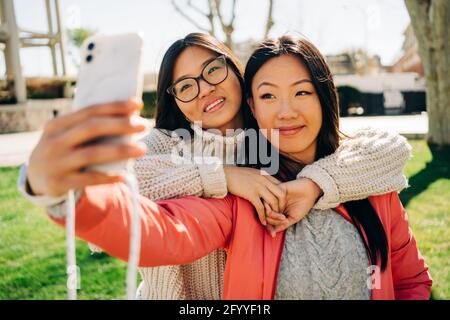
[{"x": 430, "y": 21}]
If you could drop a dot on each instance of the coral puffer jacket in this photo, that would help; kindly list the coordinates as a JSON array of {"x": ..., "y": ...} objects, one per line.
[{"x": 180, "y": 231}]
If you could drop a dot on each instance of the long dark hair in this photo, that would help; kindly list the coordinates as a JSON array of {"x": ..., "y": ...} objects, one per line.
[
  {"x": 168, "y": 115},
  {"x": 364, "y": 216}
]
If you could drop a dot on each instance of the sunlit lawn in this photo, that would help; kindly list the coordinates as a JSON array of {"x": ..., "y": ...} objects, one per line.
[{"x": 32, "y": 249}]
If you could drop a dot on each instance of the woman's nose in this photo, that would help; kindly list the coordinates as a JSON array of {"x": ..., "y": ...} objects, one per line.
[
  {"x": 205, "y": 88},
  {"x": 287, "y": 111}
]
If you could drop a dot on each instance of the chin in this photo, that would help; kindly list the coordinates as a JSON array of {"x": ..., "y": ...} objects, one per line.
[
  {"x": 292, "y": 150},
  {"x": 219, "y": 120},
  {"x": 292, "y": 147}
]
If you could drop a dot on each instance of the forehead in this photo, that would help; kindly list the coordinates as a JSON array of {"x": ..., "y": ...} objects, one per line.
[
  {"x": 189, "y": 62},
  {"x": 283, "y": 69}
]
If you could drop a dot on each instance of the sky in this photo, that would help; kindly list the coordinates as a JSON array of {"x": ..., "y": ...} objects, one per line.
[{"x": 332, "y": 25}]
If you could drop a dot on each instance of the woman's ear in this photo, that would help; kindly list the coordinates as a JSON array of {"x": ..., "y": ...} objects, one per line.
[{"x": 251, "y": 104}]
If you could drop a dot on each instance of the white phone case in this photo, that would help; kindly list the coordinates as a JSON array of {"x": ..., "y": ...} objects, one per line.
[{"x": 110, "y": 70}]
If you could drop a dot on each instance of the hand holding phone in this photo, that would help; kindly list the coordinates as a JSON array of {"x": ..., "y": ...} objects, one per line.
[{"x": 110, "y": 71}]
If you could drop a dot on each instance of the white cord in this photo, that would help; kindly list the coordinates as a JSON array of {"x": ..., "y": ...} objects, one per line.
[
  {"x": 135, "y": 241},
  {"x": 72, "y": 270},
  {"x": 135, "y": 236}
]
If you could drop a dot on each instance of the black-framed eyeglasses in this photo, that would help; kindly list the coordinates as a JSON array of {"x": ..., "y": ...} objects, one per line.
[{"x": 187, "y": 89}]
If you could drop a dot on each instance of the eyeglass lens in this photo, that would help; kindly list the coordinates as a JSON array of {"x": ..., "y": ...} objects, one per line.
[{"x": 213, "y": 73}]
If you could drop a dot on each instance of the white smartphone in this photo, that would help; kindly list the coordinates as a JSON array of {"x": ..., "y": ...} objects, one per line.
[{"x": 110, "y": 70}]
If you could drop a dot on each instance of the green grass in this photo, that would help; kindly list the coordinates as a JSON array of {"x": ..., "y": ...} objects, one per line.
[
  {"x": 427, "y": 203},
  {"x": 32, "y": 249},
  {"x": 32, "y": 254}
]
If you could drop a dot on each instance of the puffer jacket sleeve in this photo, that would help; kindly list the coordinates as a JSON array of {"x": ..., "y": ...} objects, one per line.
[{"x": 176, "y": 231}]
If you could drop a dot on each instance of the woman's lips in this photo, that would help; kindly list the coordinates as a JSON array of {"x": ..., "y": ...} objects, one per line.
[
  {"x": 216, "y": 105},
  {"x": 290, "y": 131}
]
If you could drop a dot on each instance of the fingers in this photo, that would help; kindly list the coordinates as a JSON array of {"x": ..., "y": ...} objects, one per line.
[
  {"x": 96, "y": 127},
  {"x": 272, "y": 179},
  {"x": 64, "y": 122},
  {"x": 287, "y": 223},
  {"x": 84, "y": 179},
  {"x": 280, "y": 193},
  {"x": 269, "y": 197},
  {"x": 256, "y": 202},
  {"x": 101, "y": 153},
  {"x": 271, "y": 230},
  {"x": 272, "y": 217},
  {"x": 282, "y": 226}
]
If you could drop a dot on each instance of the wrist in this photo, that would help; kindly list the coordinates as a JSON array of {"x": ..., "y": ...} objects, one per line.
[
  {"x": 30, "y": 189},
  {"x": 314, "y": 189},
  {"x": 303, "y": 187}
]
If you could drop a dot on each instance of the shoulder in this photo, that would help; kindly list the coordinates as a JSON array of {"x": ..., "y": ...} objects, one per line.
[
  {"x": 378, "y": 139},
  {"x": 160, "y": 140},
  {"x": 388, "y": 206}
]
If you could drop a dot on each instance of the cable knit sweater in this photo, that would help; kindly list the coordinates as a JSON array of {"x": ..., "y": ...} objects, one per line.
[
  {"x": 166, "y": 172},
  {"x": 323, "y": 258}
]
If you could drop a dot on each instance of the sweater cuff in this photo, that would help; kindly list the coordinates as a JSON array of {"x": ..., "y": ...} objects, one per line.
[
  {"x": 213, "y": 178},
  {"x": 323, "y": 179},
  {"x": 59, "y": 211},
  {"x": 25, "y": 190}
]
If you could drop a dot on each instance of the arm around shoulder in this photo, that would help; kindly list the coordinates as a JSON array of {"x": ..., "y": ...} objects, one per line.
[
  {"x": 164, "y": 174},
  {"x": 369, "y": 163}
]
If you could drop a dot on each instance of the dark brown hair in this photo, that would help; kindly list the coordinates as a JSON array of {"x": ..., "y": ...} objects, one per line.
[
  {"x": 364, "y": 216},
  {"x": 168, "y": 115}
]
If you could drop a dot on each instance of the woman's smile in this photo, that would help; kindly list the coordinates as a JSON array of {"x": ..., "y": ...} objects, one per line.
[
  {"x": 214, "y": 105},
  {"x": 289, "y": 131}
]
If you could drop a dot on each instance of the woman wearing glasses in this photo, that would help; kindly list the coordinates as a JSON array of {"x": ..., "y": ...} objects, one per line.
[{"x": 200, "y": 87}]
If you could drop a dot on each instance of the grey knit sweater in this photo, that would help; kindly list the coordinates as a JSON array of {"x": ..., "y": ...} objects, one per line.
[
  {"x": 323, "y": 258},
  {"x": 369, "y": 163}
]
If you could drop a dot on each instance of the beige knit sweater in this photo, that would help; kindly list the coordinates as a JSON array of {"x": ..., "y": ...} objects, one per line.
[{"x": 369, "y": 163}]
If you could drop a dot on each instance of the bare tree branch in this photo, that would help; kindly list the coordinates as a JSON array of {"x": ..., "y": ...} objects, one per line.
[
  {"x": 215, "y": 11},
  {"x": 188, "y": 18},
  {"x": 226, "y": 28},
  {"x": 195, "y": 8},
  {"x": 210, "y": 17},
  {"x": 219, "y": 13},
  {"x": 269, "y": 22},
  {"x": 233, "y": 13}
]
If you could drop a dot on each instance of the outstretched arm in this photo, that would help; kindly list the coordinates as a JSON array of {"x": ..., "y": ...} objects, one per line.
[
  {"x": 160, "y": 175},
  {"x": 175, "y": 231}
]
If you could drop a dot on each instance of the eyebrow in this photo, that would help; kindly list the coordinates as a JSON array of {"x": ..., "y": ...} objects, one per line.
[
  {"x": 266, "y": 83},
  {"x": 204, "y": 64}
]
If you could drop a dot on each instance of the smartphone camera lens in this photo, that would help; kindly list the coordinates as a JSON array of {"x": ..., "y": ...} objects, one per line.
[
  {"x": 91, "y": 46},
  {"x": 89, "y": 58}
]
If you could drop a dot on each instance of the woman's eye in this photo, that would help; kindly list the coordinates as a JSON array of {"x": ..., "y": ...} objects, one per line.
[
  {"x": 212, "y": 70},
  {"x": 267, "y": 96},
  {"x": 302, "y": 93},
  {"x": 185, "y": 87}
]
